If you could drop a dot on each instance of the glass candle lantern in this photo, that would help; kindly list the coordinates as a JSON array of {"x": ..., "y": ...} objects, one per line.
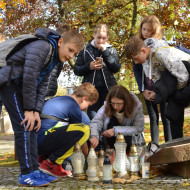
[
  {"x": 101, "y": 161},
  {"x": 134, "y": 160},
  {"x": 107, "y": 171},
  {"x": 121, "y": 163},
  {"x": 77, "y": 161},
  {"x": 92, "y": 171}
]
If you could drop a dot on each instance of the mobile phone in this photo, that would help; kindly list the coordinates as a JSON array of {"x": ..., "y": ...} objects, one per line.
[{"x": 98, "y": 58}]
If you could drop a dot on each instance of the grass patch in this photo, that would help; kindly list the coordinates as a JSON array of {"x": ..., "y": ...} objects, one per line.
[
  {"x": 8, "y": 160},
  {"x": 186, "y": 131}
]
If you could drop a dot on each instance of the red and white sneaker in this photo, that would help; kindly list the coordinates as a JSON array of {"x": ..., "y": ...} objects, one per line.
[
  {"x": 54, "y": 169},
  {"x": 41, "y": 159}
]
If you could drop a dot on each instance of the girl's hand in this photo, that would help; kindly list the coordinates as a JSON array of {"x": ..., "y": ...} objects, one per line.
[
  {"x": 94, "y": 142},
  {"x": 152, "y": 96},
  {"x": 146, "y": 94},
  {"x": 101, "y": 46},
  {"x": 108, "y": 133},
  {"x": 29, "y": 118},
  {"x": 96, "y": 65},
  {"x": 38, "y": 121}
]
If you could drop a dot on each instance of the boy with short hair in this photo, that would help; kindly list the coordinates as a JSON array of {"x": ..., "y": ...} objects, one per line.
[
  {"x": 62, "y": 127},
  {"x": 53, "y": 84},
  {"x": 167, "y": 67},
  {"x": 159, "y": 56},
  {"x": 24, "y": 97}
]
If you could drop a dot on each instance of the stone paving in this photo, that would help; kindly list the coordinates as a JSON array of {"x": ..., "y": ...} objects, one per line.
[
  {"x": 9, "y": 180},
  {"x": 9, "y": 177}
]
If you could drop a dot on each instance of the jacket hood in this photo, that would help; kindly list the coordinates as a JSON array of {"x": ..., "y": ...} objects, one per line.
[
  {"x": 155, "y": 43},
  {"x": 107, "y": 44},
  {"x": 45, "y": 32}
]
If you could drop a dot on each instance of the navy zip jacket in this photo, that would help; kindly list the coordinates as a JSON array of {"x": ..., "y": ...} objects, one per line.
[
  {"x": 98, "y": 77},
  {"x": 34, "y": 56}
]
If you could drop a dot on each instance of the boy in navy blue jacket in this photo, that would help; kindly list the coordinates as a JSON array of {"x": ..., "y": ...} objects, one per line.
[{"x": 24, "y": 97}]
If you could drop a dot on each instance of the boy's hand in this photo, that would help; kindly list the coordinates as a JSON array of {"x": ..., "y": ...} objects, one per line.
[
  {"x": 84, "y": 149},
  {"x": 94, "y": 142},
  {"x": 29, "y": 117},
  {"x": 38, "y": 121},
  {"x": 108, "y": 133},
  {"x": 96, "y": 65}
]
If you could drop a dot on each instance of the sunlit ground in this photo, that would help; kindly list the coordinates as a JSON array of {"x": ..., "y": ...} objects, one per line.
[{"x": 186, "y": 131}]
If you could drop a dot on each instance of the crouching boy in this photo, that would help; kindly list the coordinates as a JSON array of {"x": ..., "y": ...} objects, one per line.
[{"x": 62, "y": 127}]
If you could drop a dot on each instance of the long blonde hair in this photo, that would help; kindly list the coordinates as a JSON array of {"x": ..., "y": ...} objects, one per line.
[{"x": 156, "y": 27}]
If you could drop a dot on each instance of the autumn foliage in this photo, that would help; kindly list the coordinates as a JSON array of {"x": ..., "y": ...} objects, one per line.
[{"x": 122, "y": 16}]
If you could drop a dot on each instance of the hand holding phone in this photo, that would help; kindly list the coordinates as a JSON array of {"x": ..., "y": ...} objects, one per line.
[{"x": 99, "y": 60}]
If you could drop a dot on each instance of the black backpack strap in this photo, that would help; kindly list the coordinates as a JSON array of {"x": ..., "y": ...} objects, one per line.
[
  {"x": 44, "y": 116},
  {"x": 10, "y": 75}
]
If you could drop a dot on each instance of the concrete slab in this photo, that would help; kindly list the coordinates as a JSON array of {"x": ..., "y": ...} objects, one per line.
[
  {"x": 6, "y": 146},
  {"x": 174, "y": 151}
]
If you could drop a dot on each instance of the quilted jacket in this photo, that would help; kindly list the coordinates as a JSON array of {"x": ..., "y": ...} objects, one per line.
[{"x": 34, "y": 56}]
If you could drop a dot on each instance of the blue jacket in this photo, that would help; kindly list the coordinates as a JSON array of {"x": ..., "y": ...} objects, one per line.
[{"x": 33, "y": 57}]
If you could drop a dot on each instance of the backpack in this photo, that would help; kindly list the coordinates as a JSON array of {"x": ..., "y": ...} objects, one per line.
[{"x": 10, "y": 46}]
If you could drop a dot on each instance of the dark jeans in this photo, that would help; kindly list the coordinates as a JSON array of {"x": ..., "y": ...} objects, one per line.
[
  {"x": 92, "y": 110},
  {"x": 177, "y": 126},
  {"x": 0, "y": 108},
  {"x": 154, "y": 119},
  {"x": 25, "y": 141}
]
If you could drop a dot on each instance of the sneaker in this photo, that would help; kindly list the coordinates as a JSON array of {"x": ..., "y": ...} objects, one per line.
[
  {"x": 41, "y": 159},
  {"x": 41, "y": 175},
  {"x": 54, "y": 169},
  {"x": 32, "y": 181}
]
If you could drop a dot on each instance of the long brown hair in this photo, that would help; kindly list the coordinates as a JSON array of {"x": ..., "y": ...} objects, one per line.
[
  {"x": 156, "y": 27},
  {"x": 122, "y": 93}
]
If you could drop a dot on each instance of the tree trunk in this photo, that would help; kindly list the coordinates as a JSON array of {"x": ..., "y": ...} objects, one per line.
[
  {"x": 134, "y": 19},
  {"x": 61, "y": 8}
]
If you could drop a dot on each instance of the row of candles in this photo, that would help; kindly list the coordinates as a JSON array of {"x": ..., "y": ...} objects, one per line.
[{"x": 102, "y": 167}]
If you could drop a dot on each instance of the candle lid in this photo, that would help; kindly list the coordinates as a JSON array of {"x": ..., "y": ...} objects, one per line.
[
  {"x": 101, "y": 153},
  {"x": 107, "y": 160},
  {"x": 92, "y": 153},
  {"x": 133, "y": 150},
  {"x": 77, "y": 147},
  {"x": 120, "y": 138}
]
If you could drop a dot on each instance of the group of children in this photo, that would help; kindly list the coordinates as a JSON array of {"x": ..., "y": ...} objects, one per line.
[{"x": 52, "y": 129}]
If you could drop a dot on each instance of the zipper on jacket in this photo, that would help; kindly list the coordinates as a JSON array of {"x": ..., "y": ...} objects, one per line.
[{"x": 95, "y": 70}]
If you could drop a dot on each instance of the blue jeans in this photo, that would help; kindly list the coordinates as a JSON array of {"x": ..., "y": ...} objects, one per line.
[
  {"x": 25, "y": 141},
  {"x": 154, "y": 119}
]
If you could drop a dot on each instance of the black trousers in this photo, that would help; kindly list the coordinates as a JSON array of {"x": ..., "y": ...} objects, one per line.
[
  {"x": 25, "y": 141},
  {"x": 92, "y": 110},
  {"x": 59, "y": 143}
]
